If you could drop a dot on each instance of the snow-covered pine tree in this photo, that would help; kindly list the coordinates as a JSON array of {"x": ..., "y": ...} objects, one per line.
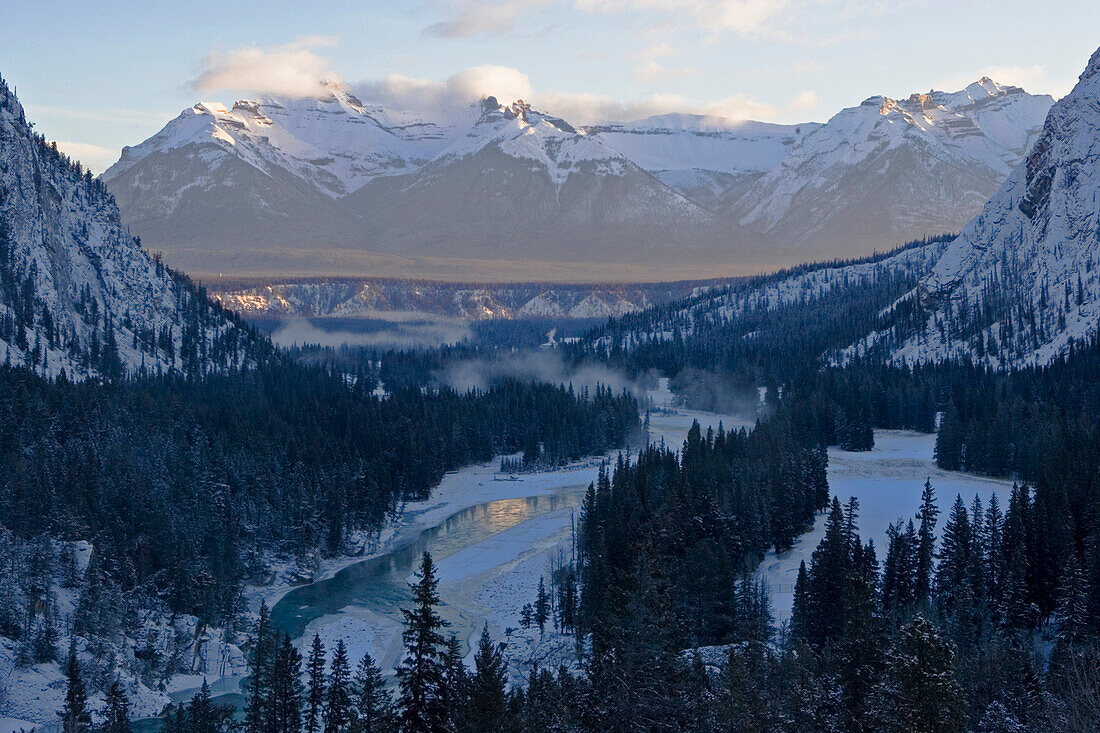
[
  {"x": 926, "y": 546},
  {"x": 116, "y": 710},
  {"x": 286, "y": 689},
  {"x": 75, "y": 716},
  {"x": 486, "y": 699},
  {"x": 919, "y": 692}
]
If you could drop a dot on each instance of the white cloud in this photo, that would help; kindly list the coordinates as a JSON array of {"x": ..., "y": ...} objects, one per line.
[
  {"x": 584, "y": 109},
  {"x": 96, "y": 157},
  {"x": 747, "y": 18},
  {"x": 659, "y": 49},
  {"x": 292, "y": 69},
  {"x": 508, "y": 84},
  {"x": 743, "y": 17},
  {"x": 468, "y": 85},
  {"x": 807, "y": 67},
  {"x": 654, "y": 71},
  {"x": 478, "y": 17},
  {"x": 805, "y": 100}
]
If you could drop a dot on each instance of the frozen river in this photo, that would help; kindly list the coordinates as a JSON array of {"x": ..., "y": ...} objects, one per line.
[{"x": 492, "y": 537}]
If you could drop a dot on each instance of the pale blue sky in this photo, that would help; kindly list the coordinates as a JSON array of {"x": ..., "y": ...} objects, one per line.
[{"x": 99, "y": 75}]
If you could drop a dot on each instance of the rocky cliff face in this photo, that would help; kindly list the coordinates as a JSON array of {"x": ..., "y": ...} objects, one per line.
[
  {"x": 77, "y": 293},
  {"x": 384, "y": 298}
]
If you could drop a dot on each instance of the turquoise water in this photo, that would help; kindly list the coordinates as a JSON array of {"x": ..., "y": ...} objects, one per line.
[{"x": 380, "y": 583}]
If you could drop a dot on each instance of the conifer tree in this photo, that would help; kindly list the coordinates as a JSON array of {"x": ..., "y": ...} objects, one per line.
[
  {"x": 542, "y": 605},
  {"x": 203, "y": 715},
  {"x": 800, "y": 609},
  {"x": 567, "y": 601},
  {"x": 527, "y": 616},
  {"x": 258, "y": 709},
  {"x": 338, "y": 711},
  {"x": 899, "y": 578},
  {"x": 926, "y": 537},
  {"x": 977, "y": 572},
  {"x": 421, "y": 673},
  {"x": 993, "y": 555},
  {"x": 116, "y": 710},
  {"x": 373, "y": 702},
  {"x": 286, "y": 689},
  {"x": 176, "y": 720},
  {"x": 1014, "y": 607},
  {"x": 206, "y": 716},
  {"x": 953, "y": 575},
  {"x": 919, "y": 693},
  {"x": 1073, "y": 597},
  {"x": 75, "y": 716},
  {"x": 830, "y": 571},
  {"x": 486, "y": 701},
  {"x": 453, "y": 690},
  {"x": 315, "y": 696}
]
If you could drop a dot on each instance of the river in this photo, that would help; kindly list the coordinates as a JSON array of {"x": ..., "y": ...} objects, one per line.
[{"x": 490, "y": 535}]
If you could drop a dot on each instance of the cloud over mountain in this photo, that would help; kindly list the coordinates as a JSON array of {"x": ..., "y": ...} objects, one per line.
[{"x": 292, "y": 70}]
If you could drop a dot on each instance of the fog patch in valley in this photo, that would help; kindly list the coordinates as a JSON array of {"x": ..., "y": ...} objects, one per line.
[
  {"x": 299, "y": 331},
  {"x": 717, "y": 392},
  {"x": 541, "y": 366}
]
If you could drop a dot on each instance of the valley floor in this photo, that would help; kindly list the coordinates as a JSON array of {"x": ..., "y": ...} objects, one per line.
[{"x": 486, "y": 581}]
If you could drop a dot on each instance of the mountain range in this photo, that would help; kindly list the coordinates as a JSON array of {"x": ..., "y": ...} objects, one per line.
[
  {"x": 349, "y": 298},
  {"x": 1020, "y": 285},
  {"x": 330, "y": 185}
]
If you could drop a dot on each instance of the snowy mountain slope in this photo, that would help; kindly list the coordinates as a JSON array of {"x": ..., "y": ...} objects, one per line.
[
  {"x": 890, "y": 171},
  {"x": 808, "y": 287},
  {"x": 332, "y": 141},
  {"x": 381, "y": 298},
  {"x": 77, "y": 292},
  {"x": 1022, "y": 280},
  {"x": 249, "y": 189},
  {"x": 523, "y": 184},
  {"x": 701, "y": 156}
]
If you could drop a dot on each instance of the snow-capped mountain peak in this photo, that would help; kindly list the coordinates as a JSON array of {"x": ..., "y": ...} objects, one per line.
[
  {"x": 891, "y": 170},
  {"x": 331, "y": 140}
]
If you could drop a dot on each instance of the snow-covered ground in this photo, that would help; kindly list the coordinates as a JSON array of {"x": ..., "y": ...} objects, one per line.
[
  {"x": 14, "y": 725},
  {"x": 888, "y": 482}
]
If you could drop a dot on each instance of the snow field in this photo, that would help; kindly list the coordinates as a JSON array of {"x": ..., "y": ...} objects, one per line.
[{"x": 887, "y": 481}]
